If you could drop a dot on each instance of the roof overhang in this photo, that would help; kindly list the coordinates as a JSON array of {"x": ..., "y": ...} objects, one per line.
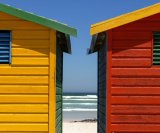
[
  {"x": 64, "y": 32},
  {"x": 64, "y": 41},
  {"x": 52, "y": 24},
  {"x": 98, "y": 30},
  {"x": 125, "y": 19},
  {"x": 97, "y": 41}
]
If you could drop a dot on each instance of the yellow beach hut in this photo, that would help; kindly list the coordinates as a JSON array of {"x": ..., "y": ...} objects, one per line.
[{"x": 31, "y": 64}]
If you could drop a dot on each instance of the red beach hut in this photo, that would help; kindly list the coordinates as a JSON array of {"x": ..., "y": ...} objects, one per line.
[{"x": 128, "y": 49}]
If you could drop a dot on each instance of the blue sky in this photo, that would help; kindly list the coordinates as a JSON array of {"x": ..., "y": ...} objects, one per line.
[{"x": 80, "y": 69}]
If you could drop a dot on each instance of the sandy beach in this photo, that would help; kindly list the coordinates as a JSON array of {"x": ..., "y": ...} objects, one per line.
[
  {"x": 79, "y": 127},
  {"x": 80, "y": 113}
]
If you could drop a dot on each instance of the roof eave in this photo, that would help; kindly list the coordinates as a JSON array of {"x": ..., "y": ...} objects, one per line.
[
  {"x": 64, "y": 41},
  {"x": 93, "y": 43},
  {"x": 38, "y": 19},
  {"x": 68, "y": 41},
  {"x": 96, "y": 43},
  {"x": 125, "y": 19}
]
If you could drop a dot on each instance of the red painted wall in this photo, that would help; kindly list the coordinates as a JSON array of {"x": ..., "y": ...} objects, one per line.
[{"x": 133, "y": 82}]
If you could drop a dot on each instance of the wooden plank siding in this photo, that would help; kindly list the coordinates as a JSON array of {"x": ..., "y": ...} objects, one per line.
[
  {"x": 59, "y": 87},
  {"x": 135, "y": 82},
  {"x": 24, "y": 83},
  {"x": 102, "y": 89}
]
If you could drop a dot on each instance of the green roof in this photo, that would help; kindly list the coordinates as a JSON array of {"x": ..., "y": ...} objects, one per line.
[{"x": 53, "y": 24}]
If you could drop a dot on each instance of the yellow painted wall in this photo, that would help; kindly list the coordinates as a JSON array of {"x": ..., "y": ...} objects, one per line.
[{"x": 25, "y": 89}]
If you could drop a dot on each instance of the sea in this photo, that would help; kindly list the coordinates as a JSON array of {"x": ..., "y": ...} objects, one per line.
[{"x": 78, "y": 106}]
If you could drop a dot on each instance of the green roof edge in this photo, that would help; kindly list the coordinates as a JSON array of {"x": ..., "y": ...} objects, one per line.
[{"x": 38, "y": 19}]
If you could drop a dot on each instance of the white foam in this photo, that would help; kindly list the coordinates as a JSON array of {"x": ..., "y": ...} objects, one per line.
[
  {"x": 92, "y": 96},
  {"x": 79, "y": 103},
  {"x": 78, "y": 99},
  {"x": 79, "y": 109}
]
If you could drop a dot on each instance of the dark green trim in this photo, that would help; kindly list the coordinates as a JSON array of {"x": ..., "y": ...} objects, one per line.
[
  {"x": 59, "y": 86},
  {"x": 68, "y": 44},
  {"x": 93, "y": 43},
  {"x": 38, "y": 19},
  {"x": 97, "y": 42},
  {"x": 64, "y": 41}
]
